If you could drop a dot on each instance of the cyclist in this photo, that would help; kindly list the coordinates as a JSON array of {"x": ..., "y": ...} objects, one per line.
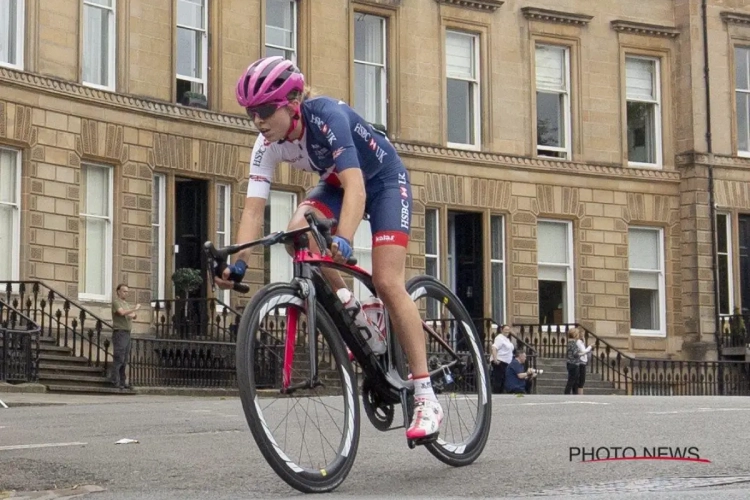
[{"x": 360, "y": 172}]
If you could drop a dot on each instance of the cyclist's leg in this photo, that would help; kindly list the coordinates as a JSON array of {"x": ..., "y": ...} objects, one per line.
[{"x": 325, "y": 200}]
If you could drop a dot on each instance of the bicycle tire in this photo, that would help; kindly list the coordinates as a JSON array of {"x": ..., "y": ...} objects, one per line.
[
  {"x": 304, "y": 480},
  {"x": 468, "y": 451}
]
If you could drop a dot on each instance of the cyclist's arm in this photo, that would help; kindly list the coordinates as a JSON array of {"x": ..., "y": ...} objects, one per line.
[{"x": 353, "y": 206}]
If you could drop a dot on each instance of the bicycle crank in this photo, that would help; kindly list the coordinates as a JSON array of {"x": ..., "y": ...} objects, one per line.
[{"x": 380, "y": 413}]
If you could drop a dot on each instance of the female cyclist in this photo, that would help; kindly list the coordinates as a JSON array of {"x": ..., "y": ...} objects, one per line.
[{"x": 360, "y": 172}]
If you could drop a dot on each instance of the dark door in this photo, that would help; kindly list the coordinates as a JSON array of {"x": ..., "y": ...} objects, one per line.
[
  {"x": 468, "y": 263},
  {"x": 744, "y": 221},
  {"x": 191, "y": 226}
]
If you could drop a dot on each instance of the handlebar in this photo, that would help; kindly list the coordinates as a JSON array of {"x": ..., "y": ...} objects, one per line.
[{"x": 320, "y": 228}]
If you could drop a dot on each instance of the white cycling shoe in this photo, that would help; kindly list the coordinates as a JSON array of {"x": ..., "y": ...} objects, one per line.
[{"x": 428, "y": 415}]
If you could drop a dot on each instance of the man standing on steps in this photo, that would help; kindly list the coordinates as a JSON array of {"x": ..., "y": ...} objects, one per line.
[{"x": 122, "y": 323}]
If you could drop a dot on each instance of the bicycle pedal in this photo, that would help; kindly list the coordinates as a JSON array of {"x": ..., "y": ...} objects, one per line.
[{"x": 413, "y": 443}]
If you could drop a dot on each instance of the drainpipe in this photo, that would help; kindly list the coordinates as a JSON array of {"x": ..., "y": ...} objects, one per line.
[{"x": 711, "y": 199}]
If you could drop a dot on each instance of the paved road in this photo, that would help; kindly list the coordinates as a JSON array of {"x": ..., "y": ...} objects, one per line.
[{"x": 201, "y": 448}]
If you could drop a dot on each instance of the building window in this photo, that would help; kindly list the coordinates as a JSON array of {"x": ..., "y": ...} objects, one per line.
[
  {"x": 647, "y": 299},
  {"x": 497, "y": 263},
  {"x": 553, "y": 101},
  {"x": 724, "y": 251},
  {"x": 11, "y": 33},
  {"x": 369, "y": 67},
  {"x": 432, "y": 253},
  {"x": 462, "y": 71},
  {"x": 223, "y": 226},
  {"x": 742, "y": 95},
  {"x": 279, "y": 210},
  {"x": 192, "y": 47},
  {"x": 643, "y": 111},
  {"x": 281, "y": 29},
  {"x": 95, "y": 247},
  {"x": 99, "y": 40},
  {"x": 362, "y": 247},
  {"x": 555, "y": 258},
  {"x": 158, "y": 236},
  {"x": 10, "y": 213}
]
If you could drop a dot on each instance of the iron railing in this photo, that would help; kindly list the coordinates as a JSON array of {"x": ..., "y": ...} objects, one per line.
[
  {"x": 60, "y": 318},
  {"x": 643, "y": 376},
  {"x": 195, "y": 319},
  {"x": 733, "y": 330},
  {"x": 19, "y": 346},
  {"x": 489, "y": 329}
]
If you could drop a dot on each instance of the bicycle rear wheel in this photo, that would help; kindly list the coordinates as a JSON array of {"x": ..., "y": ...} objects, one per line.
[
  {"x": 309, "y": 437},
  {"x": 463, "y": 390}
]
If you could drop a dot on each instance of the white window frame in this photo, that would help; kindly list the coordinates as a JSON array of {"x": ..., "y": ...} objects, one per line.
[
  {"x": 476, "y": 86},
  {"x": 662, "y": 331},
  {"x": 15, "y": 257},
  {"x": 383, "y": 71},
  {"x": 746, "y": 50},
  {"x": 657, "y": 111},
  {"x": 224, "y": 295},
  {"x": 729, "y": 256},
  {"x": 570, "y": 310},
  {"x": 282, "y": 227},
  {"x": 20, "y": 38},
  {"x": 107, "y": 296},
  {"x": 111, "y": 50},
  {"x": 433, "y": 256},
  {"x": 294, "y": 48},
  {"x": 161, "y": 247},
  {"x": 362, "y": 246},
  {"x": 566, "y": 111},
  {"x": 501, "y": 261},
  {"x": 204, "y": 52}
]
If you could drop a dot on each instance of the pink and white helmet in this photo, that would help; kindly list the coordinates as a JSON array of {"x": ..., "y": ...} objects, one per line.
[{"x": 269, "y": 80}]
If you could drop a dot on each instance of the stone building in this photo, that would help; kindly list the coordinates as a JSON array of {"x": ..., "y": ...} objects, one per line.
[{"x": 563, "y": 153}]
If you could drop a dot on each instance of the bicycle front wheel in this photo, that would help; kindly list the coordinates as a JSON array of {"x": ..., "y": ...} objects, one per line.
[
  {"x": 308, "y": 437},
  {"x": 462, "y": 387}
]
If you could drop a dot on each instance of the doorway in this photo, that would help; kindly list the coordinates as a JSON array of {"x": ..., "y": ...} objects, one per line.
[
  {"x": 744, "y": 244},
  {"x": 466, "y": 263},
  {"x": 191, "y": 226}
]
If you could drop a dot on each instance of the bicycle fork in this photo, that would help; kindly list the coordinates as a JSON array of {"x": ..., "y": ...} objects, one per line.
[{"x": 307, "y": 291}]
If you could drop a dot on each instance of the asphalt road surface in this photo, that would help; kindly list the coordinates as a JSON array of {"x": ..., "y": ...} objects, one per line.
[{"x": 202, "y": 448}]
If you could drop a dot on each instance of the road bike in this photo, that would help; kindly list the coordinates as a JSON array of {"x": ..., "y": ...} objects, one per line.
[{"x": 294, "y": 369}]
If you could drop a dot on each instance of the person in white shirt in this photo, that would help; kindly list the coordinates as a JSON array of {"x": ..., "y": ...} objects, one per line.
[
  {"x": 500, "y": 357},
  {"x": 584, "y": 360}
]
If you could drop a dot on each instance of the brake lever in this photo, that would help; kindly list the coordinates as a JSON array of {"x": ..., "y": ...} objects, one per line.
[{"x": 217, "y": 262}]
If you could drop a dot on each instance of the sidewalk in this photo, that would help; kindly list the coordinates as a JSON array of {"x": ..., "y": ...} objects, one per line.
[{"x": 17, "y": 399}]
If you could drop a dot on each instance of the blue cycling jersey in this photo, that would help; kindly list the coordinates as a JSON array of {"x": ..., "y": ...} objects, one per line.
[{"x": 334, "y": 139}]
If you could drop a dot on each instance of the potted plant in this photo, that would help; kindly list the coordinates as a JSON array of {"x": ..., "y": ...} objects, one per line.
[{"x": 186, "y": 280}]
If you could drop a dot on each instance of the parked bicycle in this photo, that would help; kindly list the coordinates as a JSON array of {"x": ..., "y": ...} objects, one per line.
[{"x": 301, "y": 330}]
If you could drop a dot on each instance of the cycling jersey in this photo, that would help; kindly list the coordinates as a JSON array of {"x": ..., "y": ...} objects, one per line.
[{"x": 335, "y": 138}]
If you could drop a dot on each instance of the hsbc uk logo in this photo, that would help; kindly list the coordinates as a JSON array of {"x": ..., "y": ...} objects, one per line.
[
  {"x": 404, "y": 200},
  {"x": 323, "y": 126},
  {"x": 362, "y": 131}
]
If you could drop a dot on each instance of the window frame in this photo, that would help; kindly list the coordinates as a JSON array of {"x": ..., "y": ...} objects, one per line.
[
  {"x": 225, "y": 295},
  {"x": 567, "y": 104},
  {"x": 161, "y": 246},
  {"x": 746, "y": 47},
  {"x": 662, "y": 331},
  {"x": 359, "y": 289},
  {"x": 91, "y": 297},
  {"x": 570, "y": 310},
  {"x": 111, "y": 50},
  {"x": 503, "y": 267},
  {"x": 20, "y": 37},
  {"x": 15, "y": 260},
  {"x": 295, "y": 32},
  {"x": 729, "y": 255},
  {"x": 476, "y": 101},
  {"x": 658, "y": 104},
  {"x": 434, "y": 256},
  {"x": 280, "y": 248},
  {"x": 204, "y": 51},
  {"x": 383, "y": 67}
]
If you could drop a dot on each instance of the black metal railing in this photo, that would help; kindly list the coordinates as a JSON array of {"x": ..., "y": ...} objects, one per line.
[
  {"x": 642, "y": 376},
  {"x": 195, "y": 319},
  {"x": 58, "y": 317},
  {"x": 489, "y": 329},
  {"x": 19, "y": 346},
  {"x": 733, "y": 330}
]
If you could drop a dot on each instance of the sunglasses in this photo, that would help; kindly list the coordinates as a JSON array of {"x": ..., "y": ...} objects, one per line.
[{"x": 264, "y": 111}]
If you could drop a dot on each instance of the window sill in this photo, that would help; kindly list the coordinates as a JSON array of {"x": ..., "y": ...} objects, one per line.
[
  {"x": 17, "y": 67},
  {"x": 99, "y": 87},
  {"x": 650, "y": 166},
  {"x": 465, "y": 147},
  {"x": 103, "y": 299},
  {"x": 743, "y": 154},
  {"x": 648, "y": 333}
]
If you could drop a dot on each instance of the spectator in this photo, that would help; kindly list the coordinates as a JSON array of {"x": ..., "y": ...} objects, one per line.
[
  {"x": 517, "y": 378},
  {"x": 122, "y": 323},
  {"x": 583, "y": 360},
  {"x": 501, "y": 356}
]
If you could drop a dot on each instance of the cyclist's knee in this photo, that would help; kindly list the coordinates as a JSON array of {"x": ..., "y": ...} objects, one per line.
[{"x": 389, "y": 285}]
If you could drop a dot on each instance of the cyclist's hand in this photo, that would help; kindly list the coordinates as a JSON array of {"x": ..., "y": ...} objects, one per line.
[
  {"x": 231, "y": 275},
  {"x": 341, "y": 249}
]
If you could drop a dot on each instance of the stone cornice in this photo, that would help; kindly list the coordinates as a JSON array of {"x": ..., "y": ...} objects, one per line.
[
  {"x": 555, "y": 16},
  {"x": 520, "y": 162},
  {"x": 483, "y": 5},
  {"x": 122, "y": 101},
  {"x": 634, "y": 28},
  {"x": 723, "y": 161},
  {"x": 735, "y": 17}
]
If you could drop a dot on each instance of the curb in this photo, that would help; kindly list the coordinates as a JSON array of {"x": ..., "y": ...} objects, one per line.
[
  {"x": 27, "y": 387},
  {"x": 187, "y": 391}
]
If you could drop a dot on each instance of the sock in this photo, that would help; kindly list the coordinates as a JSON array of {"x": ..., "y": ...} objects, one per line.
[{"x": 423, "y": 388}]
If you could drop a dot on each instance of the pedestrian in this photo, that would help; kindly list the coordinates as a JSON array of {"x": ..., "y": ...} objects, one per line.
[
  {"x": 500, "y": 357},
  {"x": 583, "y": 360},
  {"x": 123, "y": 315}
]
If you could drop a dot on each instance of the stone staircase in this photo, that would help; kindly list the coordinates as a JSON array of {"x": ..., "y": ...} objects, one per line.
[{"x": 555, "y": 376}]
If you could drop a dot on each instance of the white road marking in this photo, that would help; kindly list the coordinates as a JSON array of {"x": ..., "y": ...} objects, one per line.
[
  {"x": 565, "y": 403},
  {"x": 41, "y": 445},
  {"x": 697, "y": 410}
]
